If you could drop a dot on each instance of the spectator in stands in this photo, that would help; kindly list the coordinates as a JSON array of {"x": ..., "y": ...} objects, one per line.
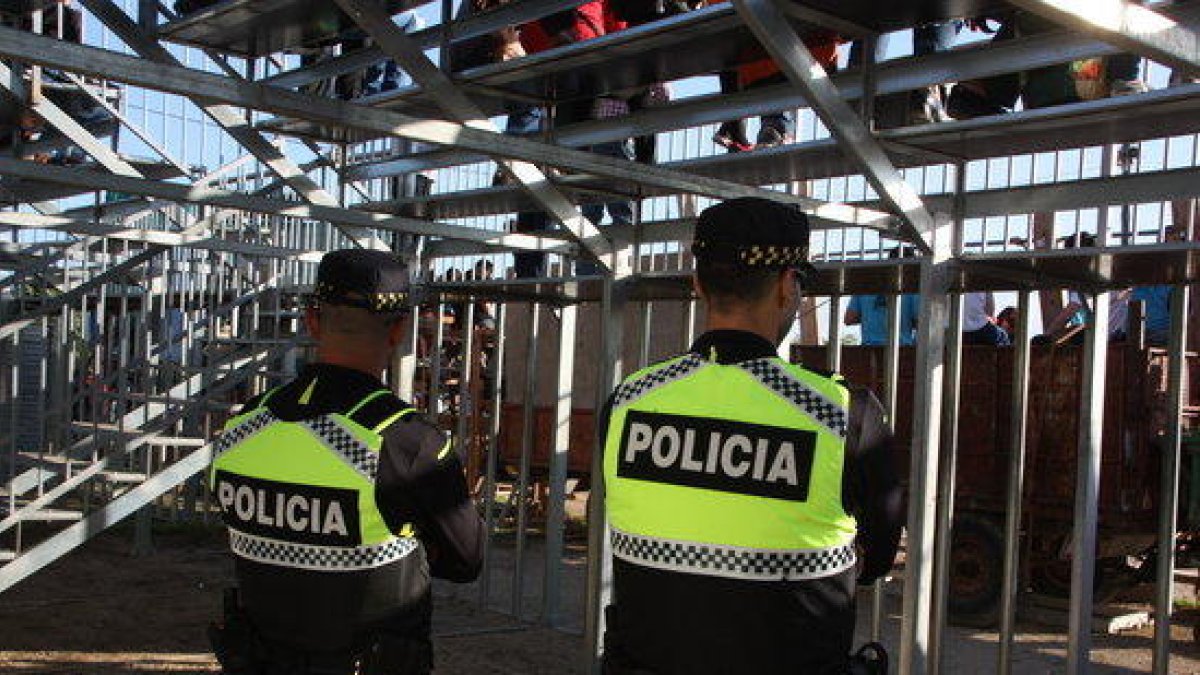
[
  {"x": 978, "y": 325},
  {"x": 869, "y": 312},
  {"x": 587, "y": 21},
  {"x": 1071, "y": 82},
  {"x": 386, "y": 75},
  {"x": 917, "y": 107},
  {"x": 1007, "y": 320},
  {"x": 759, "y": 70},
  {"x": 1157, "y": 313}
]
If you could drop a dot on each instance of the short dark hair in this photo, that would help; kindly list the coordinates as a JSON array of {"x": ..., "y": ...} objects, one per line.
[{"x": 729, "y": 284}]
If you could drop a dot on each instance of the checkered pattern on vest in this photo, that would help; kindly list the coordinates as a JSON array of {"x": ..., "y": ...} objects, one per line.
[
  {"x": 631, "y": 391},
  {"x": 320, "y": 558},
  {"x": 776, "y": 378},
  {"x": 732, "y": 562},
  {"x": 247, "y": 428},
  {"x": 345, "y": 445}
]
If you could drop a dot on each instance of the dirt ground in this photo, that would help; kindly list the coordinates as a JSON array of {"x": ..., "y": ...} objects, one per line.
[{"x": 100, "y": 610}]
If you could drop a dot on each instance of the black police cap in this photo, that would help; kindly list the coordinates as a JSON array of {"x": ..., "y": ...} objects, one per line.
[
  {"x": 373, "y": 280},
  {"x": 754, "y": 233}
]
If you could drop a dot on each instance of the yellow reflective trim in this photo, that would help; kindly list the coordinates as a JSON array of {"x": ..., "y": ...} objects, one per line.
[
  {"x": 445, "y": 450},
  {"x": 407, "y": 530},
  {"x": 365, "y": 401},
  {"x": 386, "y": 423},
  {"x": 307, "y": 395}
]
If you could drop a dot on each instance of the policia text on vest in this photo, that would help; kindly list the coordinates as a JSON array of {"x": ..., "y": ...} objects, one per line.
[
  {"x": 322, "y": 516},
  {"x": 735, "y": 457}
]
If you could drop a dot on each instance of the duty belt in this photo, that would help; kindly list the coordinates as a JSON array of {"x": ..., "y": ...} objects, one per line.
[{"x": 732, "y": 562}]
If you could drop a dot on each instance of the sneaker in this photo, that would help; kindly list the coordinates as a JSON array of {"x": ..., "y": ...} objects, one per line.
[
  {"x": 769, "y": 137},
  {"x": 732, "y": 137},
  {"x": 1127, "y": 87}
]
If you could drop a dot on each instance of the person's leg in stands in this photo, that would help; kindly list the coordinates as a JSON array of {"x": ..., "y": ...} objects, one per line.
[
  {"x": 731, "y": 135},
  {"x": 928, "y": 104},
  {"x": 774, "y": 128}
]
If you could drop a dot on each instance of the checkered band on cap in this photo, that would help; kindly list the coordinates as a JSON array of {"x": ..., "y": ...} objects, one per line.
[
  {"x": 345, "y": 445},
  {"x": 376, "y": 302},
  {"x": 756, "y": 255},
  {"x": 775, "y": 377},
  {"x": 319, "y": 558},
  {"x": 244, "y": 430},
  {"x": 732, "y": 562},
  {"x": 632, "y": 390}
]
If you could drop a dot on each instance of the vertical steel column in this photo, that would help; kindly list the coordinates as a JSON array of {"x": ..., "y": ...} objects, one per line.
[
  {"x": 917, "y": 623},
  {"x": 1169, "y": 490},
  {"x": 599, "y": 570},
  {"x": 1016, "y": 483},
  {"x": 1087, "y": 490},
  {"x": 555, "y": 515},
  {"x": 647, "y": 318},
  {"x": 434, "y": 404},
  {"x": 527, "y": 437},
  {"x": 834, "y": 358},
  {"x": 493, "y": 449},
  {"x": 945, "y": 488},
  {"x": 466, "y": 377},
  {"x": 891, "y": 394},
  {"x": 404, "y": 365}
]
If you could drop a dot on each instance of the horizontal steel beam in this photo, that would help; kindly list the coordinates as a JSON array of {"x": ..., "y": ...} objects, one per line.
[
  {"x": 898, "y": 75},
  {"x": 512, "y": 14},
  {"x": 1128, "y": 25},
  {"x": 206, "y": 86},
  {"x": 192, "y": 195}
]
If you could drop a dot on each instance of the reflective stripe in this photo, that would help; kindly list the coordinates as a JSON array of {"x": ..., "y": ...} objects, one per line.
[
  {"x": 370, "y": 397},
  {"x": 345, "y": 445},
  {"x": 242, "y": 431},
  {"x": 732, "y": 562},
  {"x": 775, "y": 377},
  {"x": 388, "y": 422},
  {"x": 321, "y": 558},
  {"x": 633, "y": 390}
]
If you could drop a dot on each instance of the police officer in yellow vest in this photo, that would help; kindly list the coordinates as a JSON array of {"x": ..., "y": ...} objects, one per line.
[
  {"x": 746, "y": 495},
  {"x": 341, "y": 501}
]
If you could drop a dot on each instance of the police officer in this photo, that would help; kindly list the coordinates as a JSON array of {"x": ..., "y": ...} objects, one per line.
[
  {"x": 746, "y": 495},
  {"x": 341, "y": 501}
]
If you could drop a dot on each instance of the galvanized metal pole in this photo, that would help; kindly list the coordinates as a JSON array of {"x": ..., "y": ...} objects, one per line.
[
  {"x": 891, "y": 390},
  {"x": 917, "y": 624},
  {"x": 520, "y": 492},
  {"x": 1016, "y": 483},
  {"x": 1168, "y": 500},
  {"x": 945, "y": 486},
  {"x": 946, "y": 476},
  {"x": 834, "y": 347},
  {"x": 599, "y": 573},
  {"x": 559, "y": 456},
  {"x": 1087, "y": 490},
  {"x": 493, "y": 448}
]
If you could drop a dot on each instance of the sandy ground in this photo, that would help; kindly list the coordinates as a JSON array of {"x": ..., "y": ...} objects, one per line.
[{"x": 100, "y": 610}]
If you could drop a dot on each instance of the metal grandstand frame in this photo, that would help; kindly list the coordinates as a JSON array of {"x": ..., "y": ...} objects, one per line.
[{"x": 178, "y": 239}]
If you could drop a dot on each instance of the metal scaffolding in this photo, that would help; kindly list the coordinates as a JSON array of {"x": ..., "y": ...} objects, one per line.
[{"x": 142, "y": 299}]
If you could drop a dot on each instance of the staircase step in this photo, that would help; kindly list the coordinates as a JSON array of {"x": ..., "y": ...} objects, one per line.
[
  {"x": 52, "y": 515},
  {"x": 6, "y": 556},
  {"x": 123, "y": 477}
]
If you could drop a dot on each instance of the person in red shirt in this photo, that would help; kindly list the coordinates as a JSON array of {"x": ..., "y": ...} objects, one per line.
[{"x": 758, "y": 70}]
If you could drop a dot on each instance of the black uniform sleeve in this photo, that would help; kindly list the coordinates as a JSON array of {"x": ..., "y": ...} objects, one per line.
[
  {"x": 870, "y": 489},
  {"x": 421, "y": 481}
]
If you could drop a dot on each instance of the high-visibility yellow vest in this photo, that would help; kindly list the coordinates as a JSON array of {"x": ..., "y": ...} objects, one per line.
[
  {"x": 729, "y": 470},
  {"x": 302, "y": 494}
]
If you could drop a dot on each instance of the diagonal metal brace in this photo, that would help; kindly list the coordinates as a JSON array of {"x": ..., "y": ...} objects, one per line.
[
  {"x": 1126, "y": 25},
  {"x": 438, "y": 87},
  {"x": 771, "y": 27}
]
